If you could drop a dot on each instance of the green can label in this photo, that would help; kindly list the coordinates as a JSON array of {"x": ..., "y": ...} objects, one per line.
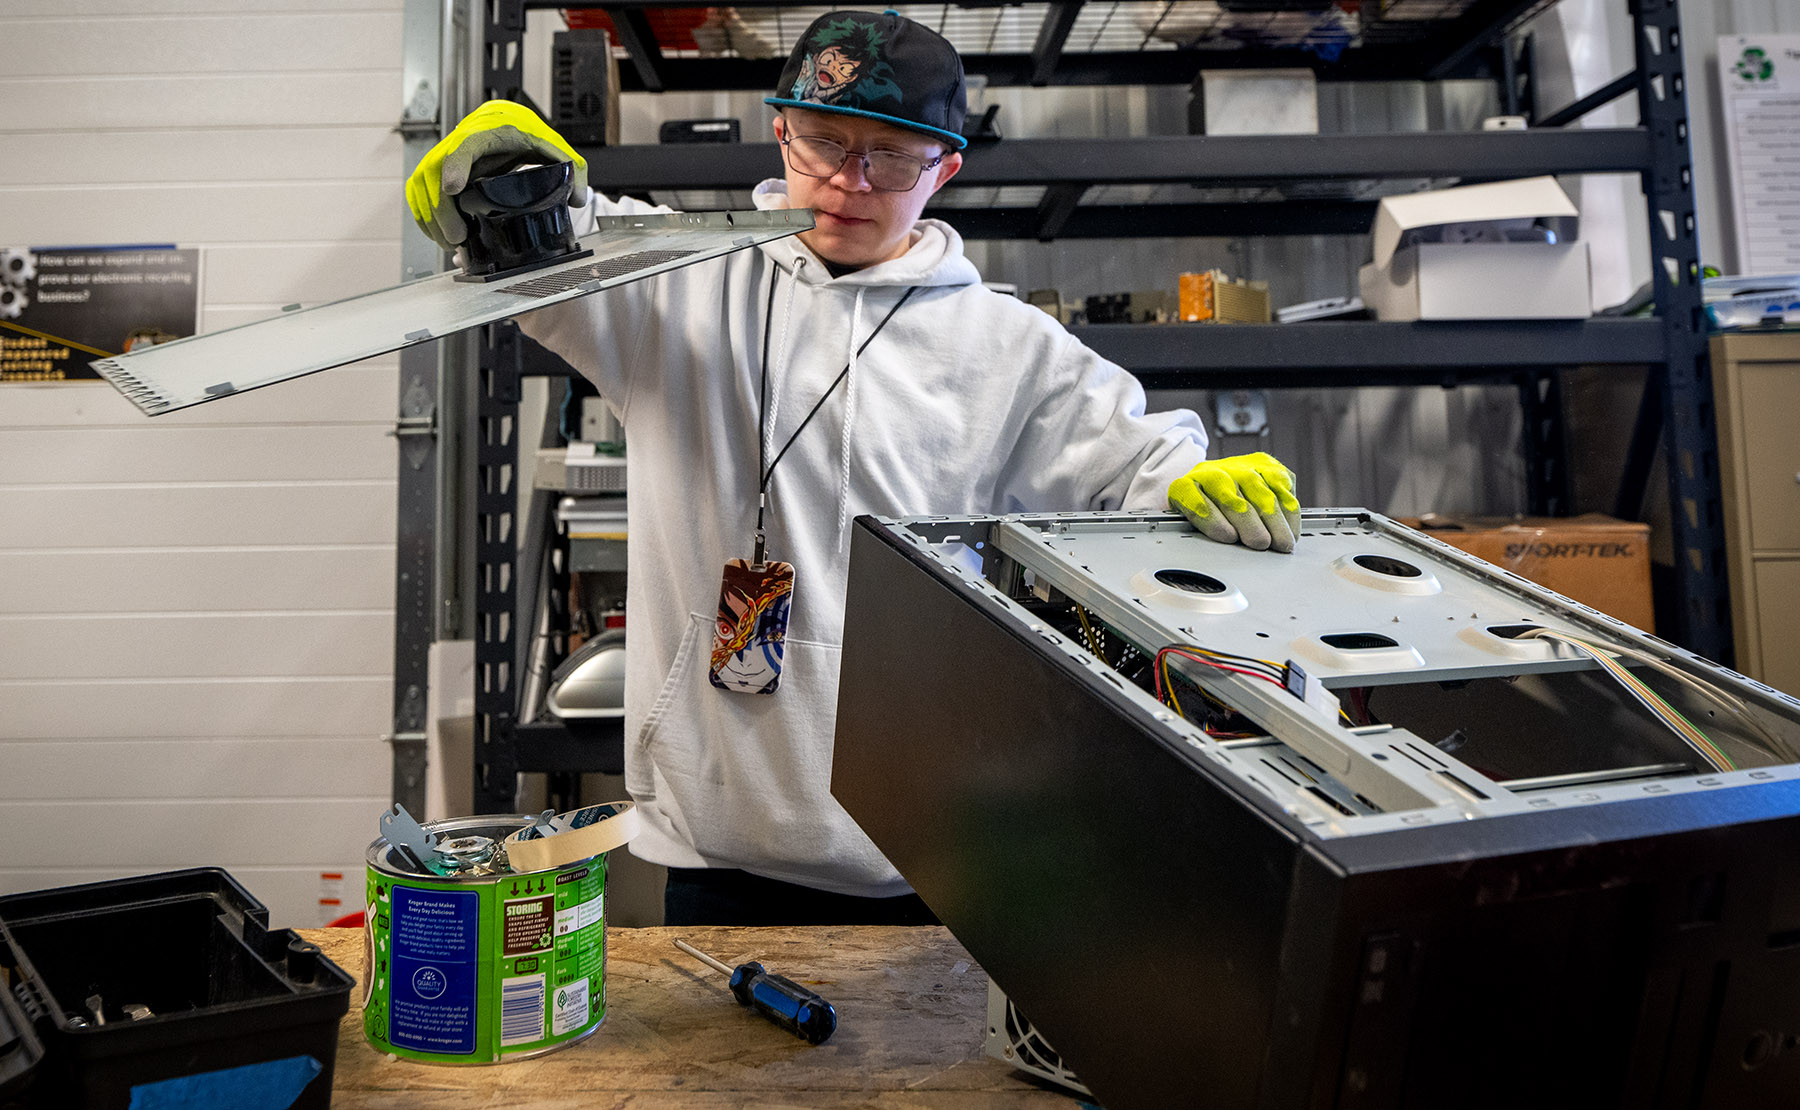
[{"x": 474, "y": 971}]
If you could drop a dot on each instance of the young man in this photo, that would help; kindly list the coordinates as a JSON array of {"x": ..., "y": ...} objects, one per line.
[{"x": 859, "y": 367}]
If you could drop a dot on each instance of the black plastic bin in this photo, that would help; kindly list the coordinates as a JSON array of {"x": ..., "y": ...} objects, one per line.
[{"x": 233, "y": 1006}]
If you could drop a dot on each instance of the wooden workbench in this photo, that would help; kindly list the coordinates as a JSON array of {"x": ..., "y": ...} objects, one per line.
[{"x": 912, "y": 1017}]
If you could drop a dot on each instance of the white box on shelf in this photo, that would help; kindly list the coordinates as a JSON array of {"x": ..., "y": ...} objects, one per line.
[
  {"x": 1485, "y": 255},
  {"x": 1260, "y": 101}
]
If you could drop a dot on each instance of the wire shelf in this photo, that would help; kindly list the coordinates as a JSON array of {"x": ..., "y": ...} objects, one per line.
[{"x": 764, "y": 32}]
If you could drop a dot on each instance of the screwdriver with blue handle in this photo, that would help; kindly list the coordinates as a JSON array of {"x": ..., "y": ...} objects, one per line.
[{"x": 781, "y": 1000}]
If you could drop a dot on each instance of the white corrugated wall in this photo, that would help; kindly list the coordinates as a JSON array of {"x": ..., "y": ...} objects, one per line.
[{"x": 196, "y": 611}]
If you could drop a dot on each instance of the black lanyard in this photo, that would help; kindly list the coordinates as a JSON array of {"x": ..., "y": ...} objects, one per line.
[{"x": 766, "y": 472}]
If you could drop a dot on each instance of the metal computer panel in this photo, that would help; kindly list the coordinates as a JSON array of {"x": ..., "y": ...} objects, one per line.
[
  {"x": 1189, "y": 923},
  {"x": 624, "y": 249},
  {"x": 1361, "y": 602},
  {"x": 1370, "y": 607}
]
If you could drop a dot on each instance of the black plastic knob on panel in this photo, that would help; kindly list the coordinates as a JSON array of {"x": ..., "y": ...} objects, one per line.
[{"x": 518, "y": 221}]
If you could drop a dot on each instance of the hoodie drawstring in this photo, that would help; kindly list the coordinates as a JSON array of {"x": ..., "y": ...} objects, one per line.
[
  {"x": 849, "y": 418},
  {"x": 781, "y": 360},
  {"x": 765, "y": 433}
]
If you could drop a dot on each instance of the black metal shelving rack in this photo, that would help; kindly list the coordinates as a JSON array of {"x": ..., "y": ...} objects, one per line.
[{"x": 1473, "y": 41}]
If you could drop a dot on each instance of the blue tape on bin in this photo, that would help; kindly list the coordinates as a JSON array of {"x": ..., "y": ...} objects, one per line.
[{"x": 271, "y": 1085}]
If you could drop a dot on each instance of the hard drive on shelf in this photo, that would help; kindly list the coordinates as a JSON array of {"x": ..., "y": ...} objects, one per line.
[{"x": 1358, "y": 826}]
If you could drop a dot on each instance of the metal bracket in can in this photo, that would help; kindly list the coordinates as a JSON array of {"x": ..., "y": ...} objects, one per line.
[{"x": 410, "y": 840}]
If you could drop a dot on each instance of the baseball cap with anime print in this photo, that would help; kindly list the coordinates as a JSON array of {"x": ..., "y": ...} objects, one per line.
[{"x": 884, "y": 67}]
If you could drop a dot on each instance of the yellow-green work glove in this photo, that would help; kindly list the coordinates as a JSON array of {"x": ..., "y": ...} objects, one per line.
[
  {"x": 1246, "y": 499},
  {"x": 493, "y": 135}
]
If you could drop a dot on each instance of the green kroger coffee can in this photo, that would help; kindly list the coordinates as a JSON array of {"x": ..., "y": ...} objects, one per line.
[{"x": 486, "y": 936}]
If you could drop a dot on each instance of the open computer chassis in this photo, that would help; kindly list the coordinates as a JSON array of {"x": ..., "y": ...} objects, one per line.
[{"x": 1375, "y": 824}]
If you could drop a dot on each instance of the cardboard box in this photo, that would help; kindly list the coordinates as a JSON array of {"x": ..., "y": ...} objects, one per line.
[
  {"x": 1254, "y": 102},
  {"x": 1596, "y": 559},
  {"x": 1051, "y": 301},
  {"x": 1472, "y": 267}
]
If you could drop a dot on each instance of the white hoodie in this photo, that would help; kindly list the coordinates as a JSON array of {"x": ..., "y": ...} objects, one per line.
[{"x": 968, "y": 402}]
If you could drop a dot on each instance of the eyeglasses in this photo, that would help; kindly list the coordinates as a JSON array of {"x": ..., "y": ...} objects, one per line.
[{"x": 887, "y": 171}]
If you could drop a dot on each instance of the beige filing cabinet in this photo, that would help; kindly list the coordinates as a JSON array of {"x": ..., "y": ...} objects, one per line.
[{"x": 1756, "y": 387}]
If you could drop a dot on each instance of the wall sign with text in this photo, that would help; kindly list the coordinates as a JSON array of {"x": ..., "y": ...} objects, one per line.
[{"x": 62, "y": 307}]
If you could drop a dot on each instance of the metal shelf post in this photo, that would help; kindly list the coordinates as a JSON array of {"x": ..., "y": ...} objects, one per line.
[
  {"x": 496, "y": 571},
  {"x": 1684, "y": 384}
]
